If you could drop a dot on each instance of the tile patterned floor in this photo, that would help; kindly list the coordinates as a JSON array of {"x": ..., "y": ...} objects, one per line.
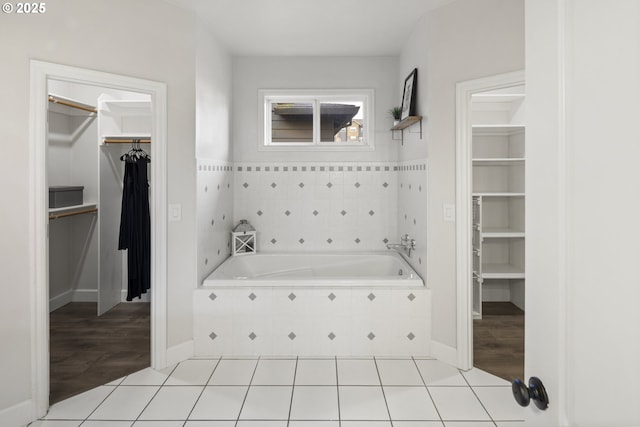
[{"x": 302, "y": 392}]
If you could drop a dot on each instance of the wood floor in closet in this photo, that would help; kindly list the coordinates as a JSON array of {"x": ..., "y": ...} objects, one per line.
[
  {"x": 87, "y": 351},
  {"x": 498, "y": 340}
]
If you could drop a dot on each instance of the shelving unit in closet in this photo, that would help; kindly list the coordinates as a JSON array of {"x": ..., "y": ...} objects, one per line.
[
  {"x": 122, "y": 121},
  {"x": 498, "y": 199}
]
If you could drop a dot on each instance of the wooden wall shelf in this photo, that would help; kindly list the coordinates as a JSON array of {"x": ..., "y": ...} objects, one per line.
[{"x": 409, "y": 121}]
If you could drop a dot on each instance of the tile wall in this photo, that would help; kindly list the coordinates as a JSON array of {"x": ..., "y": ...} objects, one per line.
[
  {"x": 215, "y": 214},
  {"x": 412, "y": 210}
]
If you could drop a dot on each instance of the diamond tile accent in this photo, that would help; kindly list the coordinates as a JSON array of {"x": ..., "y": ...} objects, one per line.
[
  {"x": 213, "y": 296},
  {"x": 420, "y": 188},
  {"x": 273, "y": 241},
  {"x": 371, "y": 336},
  {"x": 371, "y": 213},
  {"x": 411, "y": 297},
  {"x": 385, "y": 240},
  {"x": 357, "y": 185},
  {"x": 329, "y": 240},
  {"x": 252, "y": 336},
  {"x": 259, "y": 213},
  {"x": 292, "y": 296},
  {"x": 329, "y": 185},
  {"x": 252, "y": 296},
  {"x": 411, "y": 336},
  {"x": 357, "y": 240},
  {"x": 274, "y": 185},
  {"x": 331, "y": 296},
  {"x": 315, "y": 213},
  {"x": 301, "y": 240},
  {"x": 343, "y": 212},
  {"x": 301, "y": 185},
  {"x": 331, "y": 336},
  {"x": 292, "y": 336},
  {"x": 385, "y": 185},
  {"x": 371, "y": 296},
  {"x": 287, "y": 212},
  {"x": 245, "y": 185},
  {"x": 213, "y": 335}
]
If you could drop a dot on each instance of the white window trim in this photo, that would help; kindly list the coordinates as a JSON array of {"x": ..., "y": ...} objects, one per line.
[{"x": 315, "y": 96}]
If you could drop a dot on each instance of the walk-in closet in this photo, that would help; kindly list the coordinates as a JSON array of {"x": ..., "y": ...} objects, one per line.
[
  {"x": 96, "y": 336},
  {"x": 498, "y": 230}
]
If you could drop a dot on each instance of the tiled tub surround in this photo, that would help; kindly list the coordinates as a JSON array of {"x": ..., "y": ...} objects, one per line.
[
  {"x": 215, "y": 214},
  {"x": 293, "y": 319},
  {"x": 323, "y": 206},
  {"x": 412, "y": 209}
]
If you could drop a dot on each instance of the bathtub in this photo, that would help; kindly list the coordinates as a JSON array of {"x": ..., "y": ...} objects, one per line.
[
  {"x": 323, "y": 304},
  {"x": 365, "y": 269}
]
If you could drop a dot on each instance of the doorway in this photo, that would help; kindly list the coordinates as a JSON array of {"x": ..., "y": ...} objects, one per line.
[
  {"x": 43, "y": 76},
  {"x": 490, "y": 228}
]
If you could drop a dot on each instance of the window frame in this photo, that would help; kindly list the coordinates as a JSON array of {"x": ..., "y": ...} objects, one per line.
[{"x": 267, "y": 97}]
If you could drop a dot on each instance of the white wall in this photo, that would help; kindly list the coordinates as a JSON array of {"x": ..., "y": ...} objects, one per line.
[
  {"x": 253, "y": 73},
  {"x": 157, "y": 46},
  {"x": 583, "y": 322},
  {"x": 214, "y": 151},
  {"x": 464, "y": 40}
]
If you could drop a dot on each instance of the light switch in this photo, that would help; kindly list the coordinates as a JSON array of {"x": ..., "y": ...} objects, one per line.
[
  {"x": 175, "y": 213},
  {"x": 448, "y": 212}
]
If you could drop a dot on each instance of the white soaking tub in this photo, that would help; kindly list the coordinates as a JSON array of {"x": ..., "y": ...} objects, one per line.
[
  {"x": 305, "y": 304},
  {"x": 370, "y": 269}
]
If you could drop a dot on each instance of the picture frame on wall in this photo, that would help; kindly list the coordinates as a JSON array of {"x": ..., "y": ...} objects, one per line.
[{"x": 409, "y": 95}]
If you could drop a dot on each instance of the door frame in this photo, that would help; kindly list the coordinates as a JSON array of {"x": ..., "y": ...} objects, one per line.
[
  {"x": 464, "y": 91},
  {"x": 40, "y": 73}
]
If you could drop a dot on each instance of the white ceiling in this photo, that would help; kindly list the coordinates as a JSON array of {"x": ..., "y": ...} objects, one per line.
[{"x": 311, "y": 27}]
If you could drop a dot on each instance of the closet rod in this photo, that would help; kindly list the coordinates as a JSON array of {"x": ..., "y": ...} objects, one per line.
[
  {"x": 69, "y": 103},
  {"x": 62, "y": 215},
  {"x": 127, "y": 140}
]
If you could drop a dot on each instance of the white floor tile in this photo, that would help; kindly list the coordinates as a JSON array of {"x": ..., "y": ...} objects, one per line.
[
  {"x": 261, "y": 424},
  {"x": 267, "y": 403},
  {"x": 233, "y": 372},
  {"x": 410, "y": 403},
  {"x": 357, "y": 372},
  {"x": 209, "y": 424},
  {"x": 316, "y": 372},
  {"x": 500, "y": 403},
  {"x": 458, "y": 404},
  {"x": 365, "y": 424},
  {"x": 125, "y": 403},
  {"x": 219, "y": 403},
  {"x": 418, "y": 424},
  {"x": 435, "y": 372},
  {"x": 398, "y": 372},
  {"x": 362, "y": 403},
  {"x": 314, "y": 403},
  {"x": 147, "y": 376},
  {"x": 79, "y": 407},
  {"x": 172, "y": 403},
  {"x": 478, "y": 377},
  {"x": 192, "y": 372},
  {"x": 274, "y": 372},
  {"x": 55, "y": 423},
  {"x": 510, "y": 424},
  {"x": 469, "y": 424},
  {"x": 104, "y": 423},
  {"x": 314, "y": 424},
  {"x": 161, "y": 424}
]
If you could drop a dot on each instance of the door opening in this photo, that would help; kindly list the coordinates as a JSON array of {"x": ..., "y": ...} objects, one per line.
[
  {"x": 79, "y": 225},
  {"x": 490, "y": 224}
]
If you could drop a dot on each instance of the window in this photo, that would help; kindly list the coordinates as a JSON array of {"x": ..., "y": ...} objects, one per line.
[{"x": 324, "y": 120}]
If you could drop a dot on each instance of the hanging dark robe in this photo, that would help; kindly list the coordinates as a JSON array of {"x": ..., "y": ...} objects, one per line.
[{"x": 135, "y": 226}]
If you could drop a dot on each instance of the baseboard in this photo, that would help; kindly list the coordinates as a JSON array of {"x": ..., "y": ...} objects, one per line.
[
  {"x": 60, "y": 300},
  {"x": 20, "y": 414},
  {"x": 444, "y": 353},
  {"x": 85, "y": 295},
  {"x": 180, "y": 352}
]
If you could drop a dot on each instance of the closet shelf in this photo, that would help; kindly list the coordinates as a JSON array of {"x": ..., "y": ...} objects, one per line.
[
  {"x": 497, "y": 129},
  {"x": 128, "y": 139},
  {"x": 500, "y": 194},
  {"x": 498, "y": 161},
  {"x": 55, "y": 213},
  {"x": 501, "y": 233},
  {"x": 502, "y": 271},
  {"x": 67, "y": 106}
]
